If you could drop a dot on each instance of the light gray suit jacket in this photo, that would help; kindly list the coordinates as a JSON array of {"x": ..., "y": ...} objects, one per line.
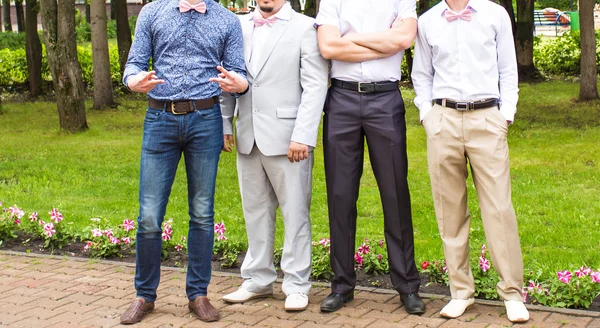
[{"x": 287, "y": 91}]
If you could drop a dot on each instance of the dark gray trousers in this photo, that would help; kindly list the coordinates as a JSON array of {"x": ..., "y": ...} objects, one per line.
[{"x": 349, "y": 118}]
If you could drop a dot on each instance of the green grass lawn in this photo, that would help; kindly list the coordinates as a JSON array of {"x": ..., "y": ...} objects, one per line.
[{"x": 555, "y": 158}]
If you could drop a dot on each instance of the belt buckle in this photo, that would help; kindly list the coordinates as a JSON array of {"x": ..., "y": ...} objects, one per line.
[
  {"x": 360, "y": 89},
  {"x": 462, "y": 106},
  {"x": 173, "y": 109}
]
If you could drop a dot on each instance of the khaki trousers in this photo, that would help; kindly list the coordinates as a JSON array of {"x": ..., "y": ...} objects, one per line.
[{"x": 478, "y": 137}]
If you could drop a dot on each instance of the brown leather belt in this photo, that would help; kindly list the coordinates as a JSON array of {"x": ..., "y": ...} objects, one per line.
[
  {"x": 183, "y": 106},
  {"x": 467, "y": 105}
]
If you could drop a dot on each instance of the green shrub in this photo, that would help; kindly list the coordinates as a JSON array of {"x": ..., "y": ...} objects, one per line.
[
  {"x": 13, "y": 65},
  {"x": 561, "y": 56},
  {"x": 111, "y": 29},
  {"x": 11, "y": 40}
]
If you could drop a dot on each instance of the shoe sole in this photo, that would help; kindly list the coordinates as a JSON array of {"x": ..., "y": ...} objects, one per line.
[
  {"x": 296, "y": 308},
  {"x": 247, "y": 299}
]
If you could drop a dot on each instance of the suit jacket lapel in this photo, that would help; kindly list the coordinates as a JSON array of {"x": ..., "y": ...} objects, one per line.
[
  {"x": 268, "y": 47},
  {"x": 247, "y": 29}
]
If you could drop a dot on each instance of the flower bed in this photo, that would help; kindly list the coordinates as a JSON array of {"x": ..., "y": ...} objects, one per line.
[{"x": 52, "y": 233}]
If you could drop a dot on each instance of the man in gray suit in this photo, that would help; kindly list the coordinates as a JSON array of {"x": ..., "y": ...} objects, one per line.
[{"x": 276, "y": 131}]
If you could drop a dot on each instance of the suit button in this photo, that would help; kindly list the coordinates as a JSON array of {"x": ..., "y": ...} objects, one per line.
[
  {"x": 256, "y": 110},
  {"x": 254, "y": 86}
]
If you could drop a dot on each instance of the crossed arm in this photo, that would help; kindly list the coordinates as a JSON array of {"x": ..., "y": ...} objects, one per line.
[{"x": 359, "y": 47}]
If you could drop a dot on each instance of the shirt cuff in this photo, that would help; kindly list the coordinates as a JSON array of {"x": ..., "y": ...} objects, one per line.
[
  {"x": 508, "y": 112},
  {"x": 425, "y": 108}
]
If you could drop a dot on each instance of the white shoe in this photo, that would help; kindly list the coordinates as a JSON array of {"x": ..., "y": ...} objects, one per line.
[
  {"x": 296, "y": 302},
  {"x": 242, "y": 295},
  {"x": 455, "y": 308},
  {"x": 516, "y": 311}
]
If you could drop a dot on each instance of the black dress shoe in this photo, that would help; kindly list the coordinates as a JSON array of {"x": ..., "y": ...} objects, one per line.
[
  {"x": 413, "y": 303},
  {"x": 335, "y": 301}
]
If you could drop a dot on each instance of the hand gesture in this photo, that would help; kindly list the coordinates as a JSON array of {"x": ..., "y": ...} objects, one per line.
[
  {"x": 143, "y": 81},
  {"x": 297, "y": 152},
  {"x": 230, "y": 81},
  {"x": 227, "y": 143}
]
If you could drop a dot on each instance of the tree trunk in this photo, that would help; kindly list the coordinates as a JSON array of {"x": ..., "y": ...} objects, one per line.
[
  {"x": 123, "y": 32},
  {"x": 113, "y": 14},
  {"x": 1, "y": 14},
  {"x": 296, "y": 5},
  {"x": 101, "y": 63},
  {"x": 423, "y": 6},
  {"x": 524, "y": 41},
  {"x": 88, "y": 15},
  {"x": 310, "y": 8},
  {"x": 588, "y": 88},
  {"x": 58, "y": 20},
  {"x": 33, "y": 48},
  {"x": 20, "y": 16},
  {"x": 6, "y": 15}
]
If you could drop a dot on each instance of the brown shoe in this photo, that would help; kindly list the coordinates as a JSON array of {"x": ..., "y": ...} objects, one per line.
[
  {"x": 202, "y": 308},
  {"x": 136, "y": 312}
]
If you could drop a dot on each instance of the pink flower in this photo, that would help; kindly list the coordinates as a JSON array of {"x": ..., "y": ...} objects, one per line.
[
  {"x": 33, "y": 216},
  {"x": 128, "y": 225},
  {"x": 17, "y": 221},
  {"x": 126, "y": 240},
  {"x": 14, "y": 210},
  {"x": 220, "y": 228},
  {"x": 381, "y": 242},
  {"x": 364, "y": 249},
  {"x": 445, "y": 269},
  {"x": 55, "y": 215},
  {"x": 425, "y": 265},
  {"x": 583, "y": 271},
  {"x": 114, "y": 240},
  {"x": 484, "y": 264},
  {"x": 49, "y": 229},
  {"x": 87, "y": 246},
  {"x": 182, "y": 238},
  {"x": 108, "y": 233},
  {"x": 524, "y": 296},
  {"x": 358, "y": 258},
  {"x": 324, "y": 241},
  {"x": 483, "y": 249},
  {"x": 595, "y": 276},
  {"x": 96, "y": 233},
  {"x": 564, "y": 276},
  {"x": 366, "y": 240},
  {"x": 379, "y": 257},
  {"x": 166, "y": 235},
  {"x": 178, "y": 247},
  {"x": 221, "y": 237}
]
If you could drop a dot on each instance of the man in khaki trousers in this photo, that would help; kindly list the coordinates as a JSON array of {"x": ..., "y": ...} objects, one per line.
[{"x": 465, "y": 78}]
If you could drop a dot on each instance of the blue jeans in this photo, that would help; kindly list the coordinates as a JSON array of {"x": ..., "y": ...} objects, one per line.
[{"x": 199, "y": 136}]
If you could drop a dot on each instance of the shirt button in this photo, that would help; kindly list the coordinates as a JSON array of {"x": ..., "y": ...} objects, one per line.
[
  {"x": 186, "y": 73},
  {"x": 185, "y": 91},
  {"x": 256, "y": 110}
]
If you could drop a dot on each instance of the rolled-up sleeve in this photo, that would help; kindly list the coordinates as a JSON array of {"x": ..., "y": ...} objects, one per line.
[
  {"x": 329, "y": 13},
  {"x": 141, "y": 48},
  {"x": 233, "y": 56},
  {"x": 407, "y": 9}
]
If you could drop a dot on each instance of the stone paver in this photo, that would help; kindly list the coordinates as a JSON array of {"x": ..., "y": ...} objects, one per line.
[{"x": 45, "y": 291}]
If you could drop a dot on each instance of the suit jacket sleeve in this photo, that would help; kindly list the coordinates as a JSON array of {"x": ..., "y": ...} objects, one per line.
[
  {"x": 314, "y": 71},
  {"x": 228, "y": 103}
]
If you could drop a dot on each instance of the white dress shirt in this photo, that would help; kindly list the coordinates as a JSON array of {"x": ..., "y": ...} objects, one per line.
[
  {"x": 466, "y": 60},
  {"x": 262, "y": 33},
  {"x": 361, "y": 16}
]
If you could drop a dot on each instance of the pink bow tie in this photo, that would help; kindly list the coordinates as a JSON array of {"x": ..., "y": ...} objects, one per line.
[
  {"x": 185, "y": 6},
  {"x": 260, "y": 21},
  {"x": 463, "y": 14}
]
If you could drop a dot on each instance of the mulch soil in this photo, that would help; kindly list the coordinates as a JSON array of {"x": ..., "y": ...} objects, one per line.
[{"x": 179, "y": 259}]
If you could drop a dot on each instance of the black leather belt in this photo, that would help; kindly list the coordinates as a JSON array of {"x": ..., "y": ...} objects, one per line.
[
  {"x": 365, "y": 87},
  {"x": 467, "y": 105},
  {"x": 183, "y": 106}
]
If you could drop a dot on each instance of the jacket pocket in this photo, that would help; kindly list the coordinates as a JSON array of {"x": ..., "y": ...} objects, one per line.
[{"x": 287, "y": 112}]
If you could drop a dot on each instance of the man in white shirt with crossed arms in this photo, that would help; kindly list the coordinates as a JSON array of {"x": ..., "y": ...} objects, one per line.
[{"x": 466, "y": 82}]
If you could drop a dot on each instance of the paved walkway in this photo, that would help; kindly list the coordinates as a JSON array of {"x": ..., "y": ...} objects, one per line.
[{"x": 45, "y": 291}]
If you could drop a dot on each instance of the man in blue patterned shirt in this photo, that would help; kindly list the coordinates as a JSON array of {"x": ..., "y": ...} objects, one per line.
[{"x": 186, "y": 42}]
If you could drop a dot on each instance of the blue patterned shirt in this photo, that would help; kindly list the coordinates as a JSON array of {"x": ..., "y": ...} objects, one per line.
[{"x": 185, "y": 48}]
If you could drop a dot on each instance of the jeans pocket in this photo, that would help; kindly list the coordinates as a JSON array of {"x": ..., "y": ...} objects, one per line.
[
  {"x": 212, "y": 113},
  {"x": 152, "y": 115}
]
